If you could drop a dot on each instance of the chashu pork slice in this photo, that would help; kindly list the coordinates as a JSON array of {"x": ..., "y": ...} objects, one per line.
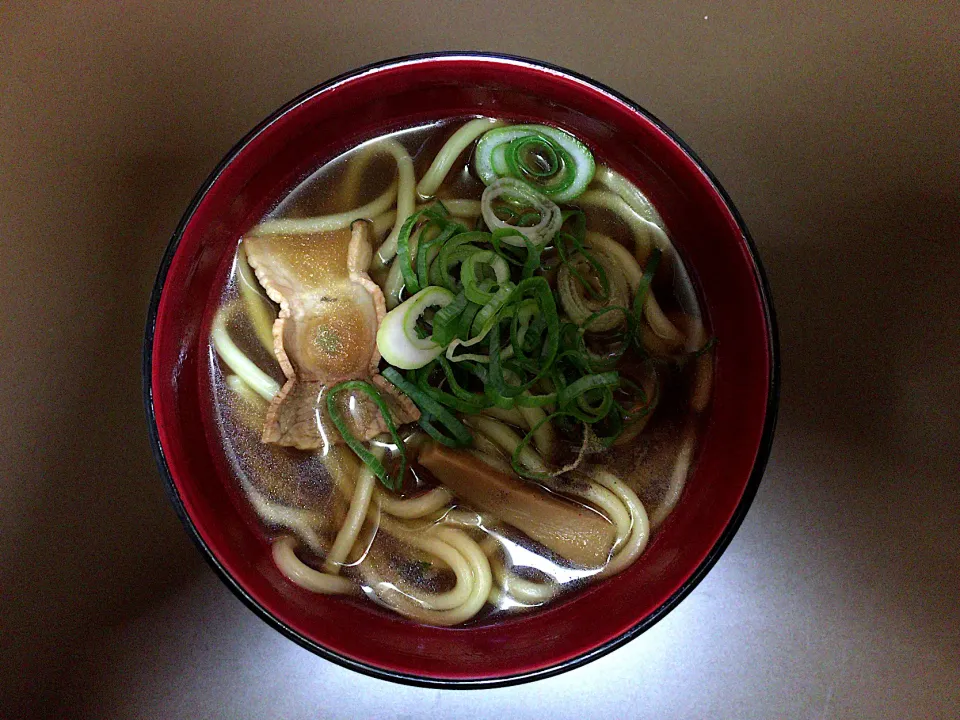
[{"x": 325, "y": 333}]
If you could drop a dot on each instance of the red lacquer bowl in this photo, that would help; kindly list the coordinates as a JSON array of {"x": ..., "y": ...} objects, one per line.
[{"x": 709, "y": 234}]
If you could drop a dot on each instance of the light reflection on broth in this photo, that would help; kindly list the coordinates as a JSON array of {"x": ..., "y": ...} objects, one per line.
[{"x": 421, "y": 549}]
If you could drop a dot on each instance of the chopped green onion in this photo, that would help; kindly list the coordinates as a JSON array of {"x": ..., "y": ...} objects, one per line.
[
  {"x": 355, "y": 444},
  {"x": 546, "y": 158},
  {"x": 446, "y": 321},
  {"x": 470, "y": 406},
  {"x": 568, "y": 258},
  {"x": 480, "y": 398},
  {"x": 436, "y": 215},
  {"x": 469, "y": 274},
  {"x": 459, "y": 435},
  {"x": 575, "y": 398},
  {"x": 397, "y": 337},
  {"x": 540, "y": 290},
  {"x": 507, "y": 188},
  {"x": 533, "y": 155},
  {"x": 455, "y": 251},
  {"x": 428, "y": 250}
]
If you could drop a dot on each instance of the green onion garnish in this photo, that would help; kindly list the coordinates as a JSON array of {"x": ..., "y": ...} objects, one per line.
[
  {"x": 456, "y": 434},
  {"x": 355, "y": 444}
]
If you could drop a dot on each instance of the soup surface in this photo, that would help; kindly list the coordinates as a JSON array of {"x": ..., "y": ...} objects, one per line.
[{"x": 459, "y": 371}]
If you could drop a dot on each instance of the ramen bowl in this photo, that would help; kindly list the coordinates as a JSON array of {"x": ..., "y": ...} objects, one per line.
[{"x": 708, "y": 233}]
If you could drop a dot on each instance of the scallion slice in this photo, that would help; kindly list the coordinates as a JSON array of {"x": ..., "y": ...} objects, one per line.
[
  {"x": 459, "y": 435},
  {"x": 548, "y": 159},
  {"x": 355, "y": 444},
  {"x": 398, "y": 340}
]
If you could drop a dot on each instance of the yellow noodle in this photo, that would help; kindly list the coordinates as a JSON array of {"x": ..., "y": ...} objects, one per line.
[
  {"x": 508, "y": 583},
  {"x": 406, "y": 197},
  {"x": 328, "y": 223},
  {"x": 495, "y": 461},
  {"x": 450, "y": 151},
  {"x": 508, "y": 440},
  {"x": 383, "y": 222},
  {"x": 640, "y": 525},
  {"x": 303, "y": 575},
  {"x": 430, "y": 543},
  {"x": 359, "y": 504},
  {"x": 259, "y": 310},
  {"x": 245, "y": 392},
  {"x": 678, "y": 478},
  {"x": 469, "y": 519},
  {"x": 629, "y": 192},
  {"x": 659, "y": 322},
  {"x": 302, "y": 522},
  {"x": 237, "y": 361},
  {"x": 507, "y": 415},
  {"x": 416, "y": 507},
  {"x": 462, "y": 210},
  {"x": 543, "y": 435},
  {"x": 479, "y": 581},
  {"x": 350, "y": 188},
  {"x": 702, "y": 382},
  {"x": 610, "y": 505},
  {"x": 646, "y": 235}
]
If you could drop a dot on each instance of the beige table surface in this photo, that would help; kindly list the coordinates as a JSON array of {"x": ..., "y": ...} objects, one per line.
[{"x": 835, "y": 128}]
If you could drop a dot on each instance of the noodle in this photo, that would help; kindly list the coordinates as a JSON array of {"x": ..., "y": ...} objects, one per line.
[
  {"x": 301, "y": 522},
  {"x": 526, "y": 591},
  {"x": 611, "y": 506},
  {"x": 495, "y": 461},
  {"x": 507, "y": 415},
  {"x": 491, "y": 453},
  {"x": 508, "y": 584},
  {"x": 469, "y": 519},
  {"x": 383, "y": 222},
  {"x": 678, "y": 479},
  {"x": 508, "y": 440},
  {"x": 476, "y": 583},
  {"x": 640, "y": 525},
  {"x": 702, "y": 382},
  {"x": 655, "y": 344},
  {"x": 305, "y": 576},
  {"x": 629, "y": 193},
  {"x": 259, "y": 311},
  {"x": 417, "y": 507},
  {"x": 350, "y": 190},
  {"x": 244, "y": 391},
  {"x": 659, "y": 322},
  {"x": 350, "y": 529},
  {"x": 246, "y": 370},
  {"x": 328, "y": 223},
  {"x": 406, "y": 199},
  {"x": 394, "y": 284},
  {"x": 543, "y": 435},
  {"x": 450, "y": 151},
  {"x": 460, "y": 208},
  {"x": 430, "y": 543},
  {"x": 646, "y": 234}
]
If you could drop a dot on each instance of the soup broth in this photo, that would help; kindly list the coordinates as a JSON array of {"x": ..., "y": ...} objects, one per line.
[{"x": 507, "y": 500}]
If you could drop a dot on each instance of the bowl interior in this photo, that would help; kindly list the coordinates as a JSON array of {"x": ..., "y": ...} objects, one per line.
[{"x": 317, "y": 127}]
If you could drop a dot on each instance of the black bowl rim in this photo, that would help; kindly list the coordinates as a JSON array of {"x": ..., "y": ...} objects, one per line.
[{"x": 753, "y": 483}]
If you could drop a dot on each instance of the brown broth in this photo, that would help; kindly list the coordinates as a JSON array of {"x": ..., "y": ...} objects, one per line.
[{"x": 301, "y": 482}]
